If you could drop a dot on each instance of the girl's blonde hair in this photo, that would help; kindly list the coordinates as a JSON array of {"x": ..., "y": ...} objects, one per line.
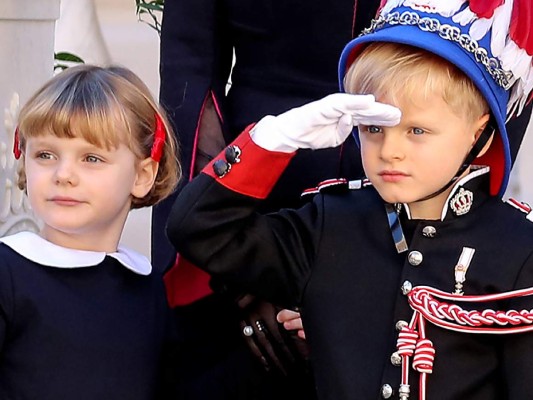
[
  {"x": 105, "y": 106},
  {"x": 391, "y": 70}
]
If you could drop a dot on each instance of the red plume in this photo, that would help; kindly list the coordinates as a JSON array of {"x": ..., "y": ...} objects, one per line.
[
  {"x": 521, "y": 30},
  {"x": 485, "y": 8}
]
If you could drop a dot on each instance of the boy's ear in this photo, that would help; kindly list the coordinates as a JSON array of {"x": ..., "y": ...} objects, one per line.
[
  {"x": 146, "y": 174},
  {"x": 480, "y": 125}
]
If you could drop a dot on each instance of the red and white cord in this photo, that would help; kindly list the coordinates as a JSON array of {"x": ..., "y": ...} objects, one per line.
[{"x": 429, "y": 304}]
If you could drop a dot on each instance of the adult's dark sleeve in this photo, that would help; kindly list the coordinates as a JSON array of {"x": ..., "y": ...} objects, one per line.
[{"x": 195, "y": 64}]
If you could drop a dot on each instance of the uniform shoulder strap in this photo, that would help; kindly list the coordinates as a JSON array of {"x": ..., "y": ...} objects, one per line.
[
  {"x": 337, "y": 185},
  {"x": 524, "y": 207}
]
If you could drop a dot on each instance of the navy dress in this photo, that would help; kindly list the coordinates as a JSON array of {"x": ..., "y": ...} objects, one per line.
[{"x": 79, "y": 324}]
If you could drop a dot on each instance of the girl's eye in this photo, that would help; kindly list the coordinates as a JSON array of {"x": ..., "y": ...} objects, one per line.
[
  {"x": 43, "y": 155},
  {"x": 92, "y": 159},
  {"x": 418, "y": 131}
]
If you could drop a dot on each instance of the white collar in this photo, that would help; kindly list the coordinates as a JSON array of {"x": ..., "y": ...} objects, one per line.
[
  {"x": 41, "y": 251},
  {"x": 475, "y": 172}
]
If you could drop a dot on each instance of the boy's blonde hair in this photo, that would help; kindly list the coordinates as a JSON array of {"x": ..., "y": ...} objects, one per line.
[
  {"x": 106, "y": 107},
  {"x": 392, "y": 70}
]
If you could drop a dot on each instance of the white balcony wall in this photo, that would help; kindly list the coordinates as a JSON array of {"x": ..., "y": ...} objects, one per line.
[{"x": 26, "y": 62}]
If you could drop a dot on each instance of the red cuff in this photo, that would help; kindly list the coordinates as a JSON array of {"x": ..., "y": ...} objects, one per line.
[
  {"x": 185, "y": 283},
  {"x": 257, "y": 171}
]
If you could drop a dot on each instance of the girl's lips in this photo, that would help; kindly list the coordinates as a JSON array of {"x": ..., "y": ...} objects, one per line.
[{"x": 65, "y": 201}]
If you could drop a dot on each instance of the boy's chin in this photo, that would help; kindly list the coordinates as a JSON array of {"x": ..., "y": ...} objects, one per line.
[{"x": 392, "y": 198}]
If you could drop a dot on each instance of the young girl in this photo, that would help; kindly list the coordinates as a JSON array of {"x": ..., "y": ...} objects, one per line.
[
  {"x": 415, "y": 282},
  {"x": 82, "y": 317}
]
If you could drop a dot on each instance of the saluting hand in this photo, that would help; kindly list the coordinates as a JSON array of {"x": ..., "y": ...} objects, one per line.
[{"x": 323, "y": 123}]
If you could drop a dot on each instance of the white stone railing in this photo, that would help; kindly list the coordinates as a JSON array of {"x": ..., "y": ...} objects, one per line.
[
  {"x": 26, "y": 62},
  {"x": 15, "y": 211}
]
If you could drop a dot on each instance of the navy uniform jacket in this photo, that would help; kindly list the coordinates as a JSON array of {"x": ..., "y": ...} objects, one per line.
[
  {"x": 335, "y": 257},
  {"x": 79, "y": 324}
]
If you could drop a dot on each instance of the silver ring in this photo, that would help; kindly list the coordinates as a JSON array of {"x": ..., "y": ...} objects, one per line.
[
  {"x": 247, "y": 330},
  {"x": 260, "y": 325}
]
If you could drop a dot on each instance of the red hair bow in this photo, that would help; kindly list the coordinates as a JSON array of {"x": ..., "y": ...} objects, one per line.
[{"x": 159, "y": 139}]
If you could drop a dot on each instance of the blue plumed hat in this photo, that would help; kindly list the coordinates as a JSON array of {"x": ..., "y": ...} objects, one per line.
[{"x": 491, "y": 41}]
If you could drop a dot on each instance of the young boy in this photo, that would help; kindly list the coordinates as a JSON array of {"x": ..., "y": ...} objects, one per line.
[{"x": 405, "y": 268}]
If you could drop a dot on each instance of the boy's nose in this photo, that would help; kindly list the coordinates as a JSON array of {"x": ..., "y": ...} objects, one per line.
[{"x": 392, "y": 148}]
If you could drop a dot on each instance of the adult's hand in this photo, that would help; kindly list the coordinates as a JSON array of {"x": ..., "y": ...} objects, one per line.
[{"x": 269, "y": 341}]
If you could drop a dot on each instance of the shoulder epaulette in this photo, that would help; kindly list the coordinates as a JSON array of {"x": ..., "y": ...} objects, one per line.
[
  {"x": 524, "y": 207},
  {"x": 335, "y": 186}
]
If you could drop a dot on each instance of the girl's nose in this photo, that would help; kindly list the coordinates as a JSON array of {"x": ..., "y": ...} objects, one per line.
[{"x": 65, "y": 173}]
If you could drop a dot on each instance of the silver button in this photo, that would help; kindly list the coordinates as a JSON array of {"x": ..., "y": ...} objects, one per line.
[
  {"x": 429, "y": 231},
  {"x": 406, "y": 287},
  {"x": 415, "y": 258},
  {"x": 401, "y": 324},
  {"x": 386, "y": 391},
  {"x": 396, "y": 359}
]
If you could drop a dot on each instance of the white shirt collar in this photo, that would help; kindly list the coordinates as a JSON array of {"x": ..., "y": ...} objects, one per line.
[{"x": 41, "y": 251}]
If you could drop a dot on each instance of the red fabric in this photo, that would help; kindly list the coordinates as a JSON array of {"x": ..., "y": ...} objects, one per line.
[
  {"x": 494, "y": 158},
  {"x": 16, "y": 144},
  {"x": 195, "y": 143},
  {"x": 485, "y": 8},
  {"x": 521, "y": 30},
  {"x": 257, "y": 172},
  {"x": 185, "y": 283},
  {"x": 159, "y": 139},
  {"x": 521, "y": 19}
]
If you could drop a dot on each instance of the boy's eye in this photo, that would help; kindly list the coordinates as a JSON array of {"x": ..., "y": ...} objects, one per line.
[
  {"x": 418, "y": 131},
  {"x": 373, "y": 129}
]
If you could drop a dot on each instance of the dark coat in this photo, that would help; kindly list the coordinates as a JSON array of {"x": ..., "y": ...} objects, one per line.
[
  {"x": 335, "y": 257},
  {"x": 286, "y": 55}
]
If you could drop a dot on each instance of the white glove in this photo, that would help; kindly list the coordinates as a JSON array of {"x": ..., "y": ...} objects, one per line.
[{"x": 323, "y": 123}]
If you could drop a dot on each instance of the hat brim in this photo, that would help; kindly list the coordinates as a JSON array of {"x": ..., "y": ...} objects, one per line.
[{"x": 498, "y": 156}]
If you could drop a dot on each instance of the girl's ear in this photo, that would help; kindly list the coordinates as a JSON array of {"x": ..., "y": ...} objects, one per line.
[
  {"x": 479, "y": 126},
  {"x": 146, "y": 174}
]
